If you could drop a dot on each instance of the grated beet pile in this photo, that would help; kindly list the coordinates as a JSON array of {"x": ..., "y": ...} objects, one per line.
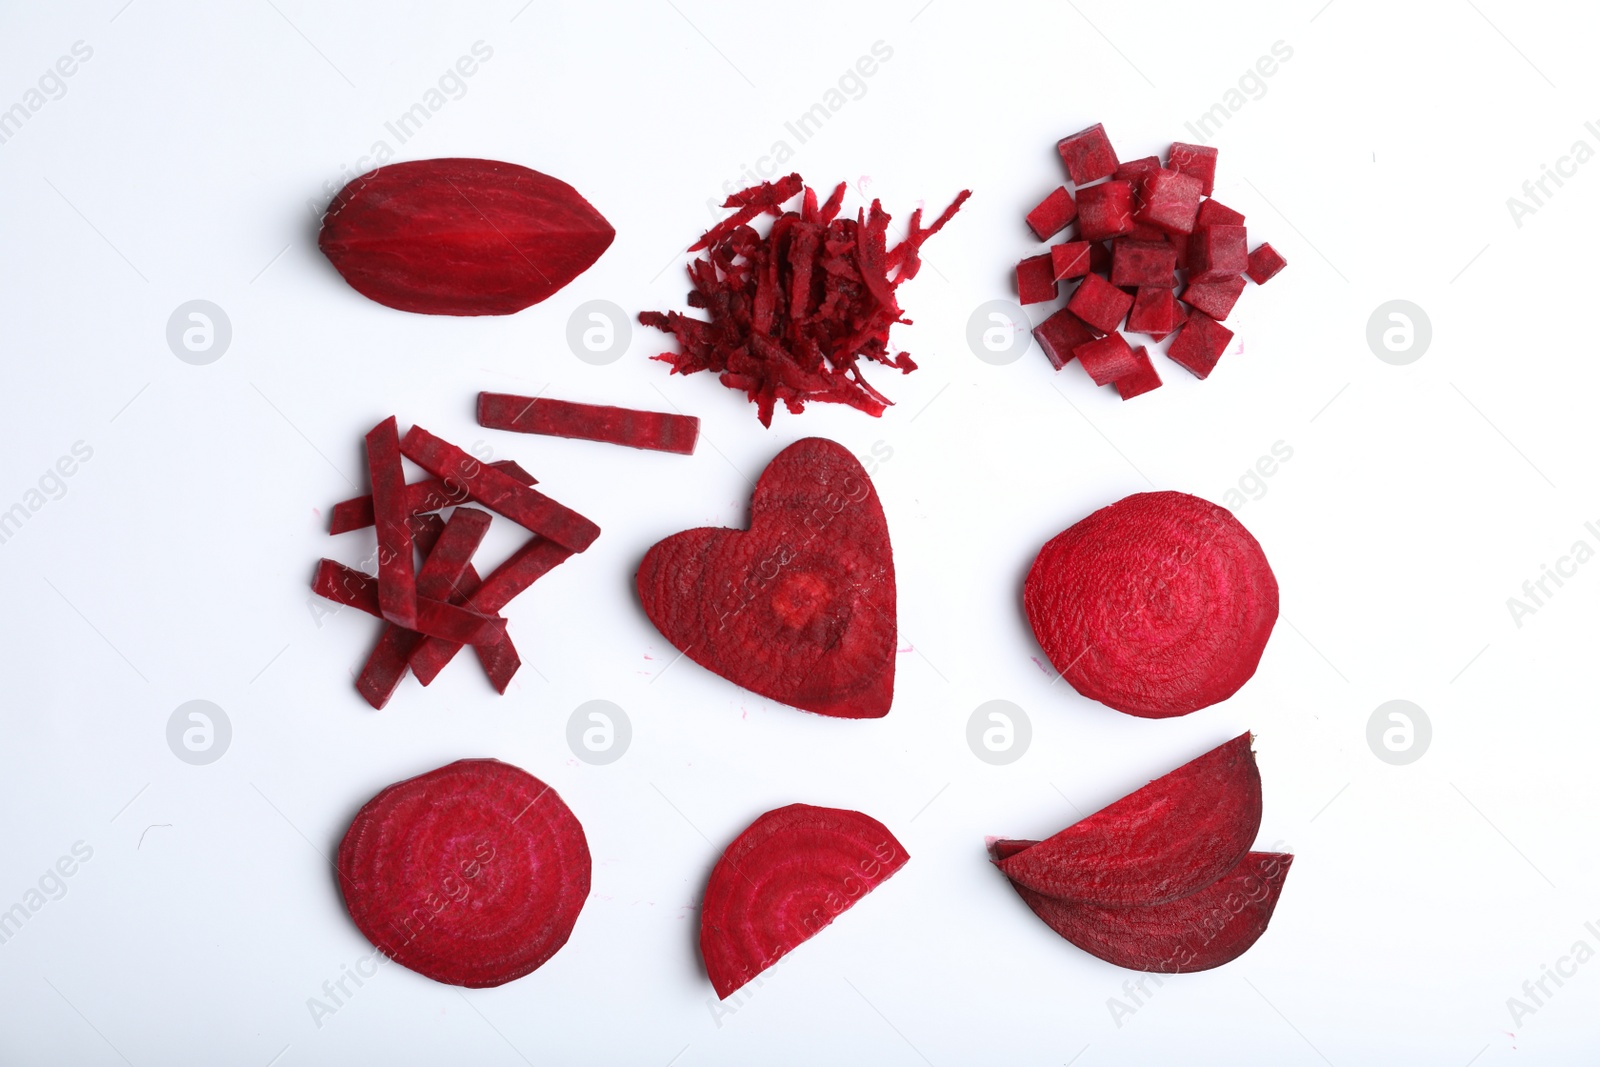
[
  {"x": 1139, "y": 225},
  {"x": 793, "y": 312}
]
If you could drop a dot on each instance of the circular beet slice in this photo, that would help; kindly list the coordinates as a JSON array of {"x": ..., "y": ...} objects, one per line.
[
  {"x": 1157, "y": 606},
  {"x": 789, "y": 874},
  {"x": 472, "y": 874}
]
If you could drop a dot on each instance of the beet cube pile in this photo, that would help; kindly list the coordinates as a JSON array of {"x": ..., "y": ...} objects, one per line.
[
  {"x": 1146, "y": 251},
  {"x": 792, "y": 312}
]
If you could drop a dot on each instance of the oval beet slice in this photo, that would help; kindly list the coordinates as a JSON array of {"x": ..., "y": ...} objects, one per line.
[
  {"x": 799, "y": 608},
  {"x": 1157, "y": 605},
  {"x": 1178, "y": 834},
  {"x": 461, "y": 236},
  {"x": 792, "y": 872},
  {"x": 472, "y": 874},
  {"x": 1205, "y": 929}
]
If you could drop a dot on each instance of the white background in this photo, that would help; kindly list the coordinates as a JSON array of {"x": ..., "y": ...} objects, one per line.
[{"x": 178, "y": 165}]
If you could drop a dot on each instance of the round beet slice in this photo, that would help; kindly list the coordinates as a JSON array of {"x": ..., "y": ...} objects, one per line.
[
  {"x": 791, "y": 872},
  {"x": 1157, "y": 606},
  {"x": 472, "y": 874}
]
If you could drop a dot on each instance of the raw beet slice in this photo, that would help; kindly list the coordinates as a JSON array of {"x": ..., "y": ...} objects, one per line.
[
  {"x": 1052, "y": 214},
  {"x": 1105, "y": 210},
  {"x": 430, "y": 494},
  {"x": 1214, "y": 213},
  {"x": 1061, "y": 334},
  {"x": 1205, "y": 929},
  {"x": 1141, "y": 380},
  {"x": 1217, "y": 297},
  {"x": 1171, "y": 838},
  {"x": 472, "y": 874},
  {"x": 1217, "y": 252},
  {"x": 1155, "y": 311},
  {"x": 1197, "y": 161},
  {"x": 1070, "y": 259},
  {"x": 1036, "y": 280},
  {"x": 1107, "y": 358},
  {"x": 1100, "y": 304},
  {"x": 789, "y": 874},
  {"x": 1199, "y": 344},
  {"x": 1168, "y": 200},
  {"x": 1142, "y": 263},
  {"x": 657, "y": 431},
  {"x": 397, "y": 578},
  {"x": 1264, "y": 263},
  {"x": 800, "y": 608},
  {"x": 461, "y": 236},
  {"x": 1088, "y": 155},
  {"x": 1156, "y": 605},
  {"x": 527, "y": 565},
  {"x": 436, "y": 619},
  {"x": 499, "y": 492}
]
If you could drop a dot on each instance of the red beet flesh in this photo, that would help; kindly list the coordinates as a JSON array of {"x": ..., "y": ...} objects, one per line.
[
  {"x": 1167, "y": 840},
  {"x": 430, "y": 494},
  {"x": 1052, "y": 214},
  {"x": 1088, "y": 155},
  {"x": 800, "y": 608},
  {"x": 654, "y": 430},
  {"x": 1157, "y": 605},
  {"x": 788, "y": 875},
  {"x": 472, "y": 874}
]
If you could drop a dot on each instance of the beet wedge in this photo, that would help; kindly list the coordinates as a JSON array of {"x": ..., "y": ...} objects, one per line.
[
  {"x": 430, "y": 494},
  {"x": 1176, "y": 835},
  {"x": 1207, "y": 928},
  {"x": 1157, "y": 605},
  {"x": 789, "y": 874},
  {"x": 499, "y": 491},
  {"x": 472, "y": 874},
  {"x": 461, "y": 236},
  {"x": 800, "y": 608}
]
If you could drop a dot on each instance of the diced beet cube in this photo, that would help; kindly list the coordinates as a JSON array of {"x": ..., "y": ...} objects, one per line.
[
  {"x": 1060, "y": 334},
  {"x": 1140, "y": 381},
  {"x": 1135, "y": 169},
  {"x": 1107, "y": 358},
  {"x": 1215, "y": 298},
  {"x": 1088, "y": 155},
  {"x": 1105, "y": 210},
  {"x": 1052, "y": 214},
  {"x": 1180, "y": 245},
  {"x": 1155, "y": 311},
  {"x": 1036, "y": 280},
  {"x": 1168, "y": 200},
  {"x": 1070, "y": 260},
  {"x": 1213, "y": 213},
  {"x": 1199, "y": 344},
  {"x": 1195, "y": 160},
  {"x": 1217, "y": 252},
  {"x": 1142, "y": 263},
  {"x": 1100, "y": 258},
  {"x": 1141, "y": 232},
  {"x": 1100, "y": 304},
  {"x": 1264, "y": 263}
]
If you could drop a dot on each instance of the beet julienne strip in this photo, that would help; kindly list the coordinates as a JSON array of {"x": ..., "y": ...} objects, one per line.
[
  {"x": 526, "y": 566},
  {"x": 430, "y": 494},
  {"x": 386, "y": 667},
  {"x": 654, "y": 430},
  {"x": 397, "y": 578},
  {"x": 452, "y": 554},
  {"x": 498, "y": 491},
  {"x": 449, "y": 622}
]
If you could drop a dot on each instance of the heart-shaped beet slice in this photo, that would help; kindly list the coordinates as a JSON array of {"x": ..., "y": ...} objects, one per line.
[
  {"x": 799, "y": 608},
  {"x": 789, "y": 874},
  {"x": 472, "y": 874},
  {"x": 461, "y": 236},
  {"x": 1177, "y": 835},
  {"x": 1205, "y": 929},
  {"x": 1156, "y": 606}
]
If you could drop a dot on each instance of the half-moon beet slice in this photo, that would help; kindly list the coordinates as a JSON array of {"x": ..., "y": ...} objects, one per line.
[
  {"x": 472, "y": 874},
  {"x": 799, "y": 608},
  {"x": 1178, "y": 834},
  {"x": 461, "y": 236},
  {"x": 791, "y": 872},
  {"x": 1205, "y": 929},
  {"x": 1157, "y": 605}
]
